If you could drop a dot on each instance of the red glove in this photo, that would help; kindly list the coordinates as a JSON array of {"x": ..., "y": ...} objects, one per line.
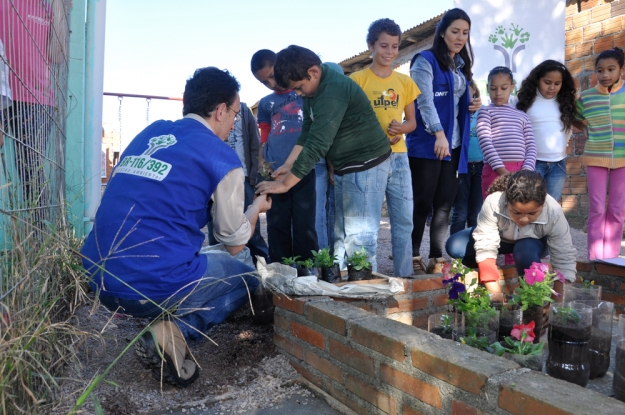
[{"x": 488, "y": 270}]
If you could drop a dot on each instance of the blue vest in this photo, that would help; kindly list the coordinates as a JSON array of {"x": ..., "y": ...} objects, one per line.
[
  {"x": 420, "y": 143},
  {"x": 148, "y": 228}
]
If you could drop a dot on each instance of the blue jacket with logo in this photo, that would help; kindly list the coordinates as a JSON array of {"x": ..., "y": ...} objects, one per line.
[
  {"x": 420, "y": 143},
  {"x": 147, "y": 232}
]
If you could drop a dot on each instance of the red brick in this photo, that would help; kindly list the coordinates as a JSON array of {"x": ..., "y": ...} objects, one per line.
[
  {"x": 618, "y": 9},
  {"x": 584, "y": 49},
  {"x": 600, "y": 13},
  {"x": 305, "y": 373},
  {"x": 603, "y": 43},
  {"x": 461, "y": 408},
  {"x": 575, "y": 66},
  {"x": 408, "y": 410},
  {"x": 571, "y": 9},
  {"x": 366, "y": 307},
  {"x": 589, "y": 63},
  {"x": 289, "y": 303},
  {"x": 307, "y": 334},
  {"x": 324, "y": 366},
  {"x": 611, "y": 26},
  {"x": 619, "y": 39},
  {"x": 403, "y": 318},
  {"x": 581, "y": 19},
  {"x": 521, "y": 404},
  {"x": 353, "y": 358},
  {"x": 449, "y": 372},
  {"x": 440, "y": 300},
  {"x": 372, "y": 395},
  {"x": 568, "y": 23},
  {"x": 327, "y": 320},
  {"x": 420, "y": 321},
  {"x": 429, "y": 284},
  {"x": 589, "y": 4},
  {"x": 573, "y": 36},
  {"x": 612, "y": 285},
  {"x": 380, "y": 343},
  {"x": 622, "y": 286},
  {"x": 280, "y": 322},
  {"x": 569, "y": 52},
  {"x": 288, "y": 346},
  {"x": 421, "y": 390},
  {"x": 343, "y": 398},
  {"x": 607, "y": 269},
  {"x": 592, "y": 31},
  {"x": 614, "y": 298},
  {"x": 408, "y": 304}
]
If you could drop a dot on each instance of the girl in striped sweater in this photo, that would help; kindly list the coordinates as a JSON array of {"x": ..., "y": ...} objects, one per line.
[
  {"x": 602, "y": 109},
  {"x": 505, "y": 133}
]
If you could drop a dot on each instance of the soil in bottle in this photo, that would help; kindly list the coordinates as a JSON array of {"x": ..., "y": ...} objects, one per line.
[{"x": 568, "y": 354}]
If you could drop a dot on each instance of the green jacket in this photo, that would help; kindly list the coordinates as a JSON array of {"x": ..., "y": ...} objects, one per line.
[{"x": 339, "y": 124}]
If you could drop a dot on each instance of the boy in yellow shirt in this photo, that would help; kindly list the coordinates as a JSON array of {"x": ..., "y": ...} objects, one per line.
[{"x": 391, "y": 94}]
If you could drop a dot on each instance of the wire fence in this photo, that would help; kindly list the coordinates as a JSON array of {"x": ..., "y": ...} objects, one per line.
[{"x": 33, "y": 100}]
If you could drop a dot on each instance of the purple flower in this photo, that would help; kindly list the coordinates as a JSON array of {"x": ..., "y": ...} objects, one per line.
[
  {"x": 456, "y": 288},
  {"x": 560, "y": 277},
  {"x": 540, "y": 266},
  {"x": 452, "y": 279}
]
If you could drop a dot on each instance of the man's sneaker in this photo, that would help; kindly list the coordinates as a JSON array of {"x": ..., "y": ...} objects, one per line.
[
  {"x": 435, "y": 265},
  {"x": 163, "y": 349},
  {"x": 418, "y": 266}
]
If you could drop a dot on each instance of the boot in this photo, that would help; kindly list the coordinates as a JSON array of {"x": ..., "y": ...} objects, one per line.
[
  {"x": 163, "y": 345},
  {"x": 418, "y": 266},
  {"x": 435, "y": 265}
]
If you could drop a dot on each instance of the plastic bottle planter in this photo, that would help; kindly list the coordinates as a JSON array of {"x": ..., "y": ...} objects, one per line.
[
  {"x": 600, "y": 337},
  {"x": 509, "y": 317},
  {"x": 358, "y": 275},
  {"x": 574, "y": 292},
  {"x": 262, "y": 304},
  {"x": 619, "y": 368},
  {"x": 482, "y": 319},
  {"x": 331, "y": 274},
  {"x": 531, "y": 361},
  {"x": 475, "y": 337},
  {"x": 569, "y": 335},
  {"x": 535, "y": 313},
  {"x": 443, "y": 324}
]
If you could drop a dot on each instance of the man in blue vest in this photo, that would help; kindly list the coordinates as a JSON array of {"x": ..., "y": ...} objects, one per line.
[{"x": 143, "y": 252}]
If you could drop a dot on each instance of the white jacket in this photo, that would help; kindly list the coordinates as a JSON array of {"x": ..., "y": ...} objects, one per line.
[{"x": 494, "y": 225}]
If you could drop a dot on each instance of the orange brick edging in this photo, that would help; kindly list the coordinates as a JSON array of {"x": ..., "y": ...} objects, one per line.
[{"x": 375, "y": 365}]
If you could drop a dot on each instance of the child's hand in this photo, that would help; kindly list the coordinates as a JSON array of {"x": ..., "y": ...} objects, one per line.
[
  {"x": 501, "y": 171},
  {"x": 441, "y": 146},
  {"x": 394, "y": 140},
  {"x": 395, "y": 128},
  {"x": 282, "y": 171},
  {"x": 475, "y": 104}
]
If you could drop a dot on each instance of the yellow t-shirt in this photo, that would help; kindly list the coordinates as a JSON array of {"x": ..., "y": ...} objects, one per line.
[{"x": 388, "y": 97}]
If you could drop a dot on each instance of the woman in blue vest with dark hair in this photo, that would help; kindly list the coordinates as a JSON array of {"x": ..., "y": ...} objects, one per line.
[{"x": 438, "y": 148}]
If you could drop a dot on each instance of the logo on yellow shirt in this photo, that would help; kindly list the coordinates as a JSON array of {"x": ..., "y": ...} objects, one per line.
[{"x": 386, "y": 99}]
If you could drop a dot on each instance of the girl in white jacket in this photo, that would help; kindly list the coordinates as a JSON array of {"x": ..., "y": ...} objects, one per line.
[{"x": 520, "y": 218}]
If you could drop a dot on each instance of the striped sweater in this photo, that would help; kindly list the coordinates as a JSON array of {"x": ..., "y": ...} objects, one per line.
[
  {"x": 605, "y": 113},
  {"x": 505, "y": 135}
]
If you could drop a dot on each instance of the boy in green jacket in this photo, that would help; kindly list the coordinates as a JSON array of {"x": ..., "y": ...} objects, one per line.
[{"x": 339, "y": 124}]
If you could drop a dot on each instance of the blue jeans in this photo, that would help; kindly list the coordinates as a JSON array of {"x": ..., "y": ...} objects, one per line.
[
  {"x": 256, "y": 244},
  {"x": 400, "y": 204},
  {"x": 358, "y": 208},
  {"x": 468, "y": 202},
  {"x": 324, "y": 214},
  {"x": 554, "y": 173},
  {"x": 525, "y": 251},
  {"x": 222, "y": 290}
]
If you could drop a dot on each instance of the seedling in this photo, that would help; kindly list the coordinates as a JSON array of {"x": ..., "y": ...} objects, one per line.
[{"x": 360, "y": 260}]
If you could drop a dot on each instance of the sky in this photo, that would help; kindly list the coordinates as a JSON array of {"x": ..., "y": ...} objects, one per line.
[{"x": 153, "y": 46}]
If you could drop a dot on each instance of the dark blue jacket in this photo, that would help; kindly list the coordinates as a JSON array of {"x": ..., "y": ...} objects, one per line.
[{"x": 420, "y": 143}]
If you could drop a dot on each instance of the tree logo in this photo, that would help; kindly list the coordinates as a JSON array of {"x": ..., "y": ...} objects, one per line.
[{"x": 507, "y": 39}]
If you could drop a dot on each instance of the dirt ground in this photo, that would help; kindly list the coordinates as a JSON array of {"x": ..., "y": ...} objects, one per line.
[{"x": 241, "y": 371}]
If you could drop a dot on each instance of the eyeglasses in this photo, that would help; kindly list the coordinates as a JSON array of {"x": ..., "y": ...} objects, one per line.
[{"x": 237, "y": 114}]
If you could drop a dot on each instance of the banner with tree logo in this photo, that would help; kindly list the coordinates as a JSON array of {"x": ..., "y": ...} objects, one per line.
[{"x": 518, "y": 34}]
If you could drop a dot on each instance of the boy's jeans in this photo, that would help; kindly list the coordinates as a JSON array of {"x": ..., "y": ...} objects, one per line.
[
  {"x": 324, "y": 214},
  {"x": 554, "y": 173},
  {"x": 468, "y": 202},
  {"x": 358, "y": 208},
  {"x": 400, "y": 204},
  {"x": 223, "y": 289}
]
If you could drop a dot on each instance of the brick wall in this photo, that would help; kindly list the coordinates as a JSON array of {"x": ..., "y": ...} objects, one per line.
[
  {"x": 371, "y": 364},
  {"x": 598, "y": 26},
  {"x": 610, "y": 277}
]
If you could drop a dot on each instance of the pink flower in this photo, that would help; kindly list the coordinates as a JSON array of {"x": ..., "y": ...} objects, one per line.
[
  {"x": 446, "y": 268},
  {"x": 534, "y": 275},
  {"x": 524, "y": 332},
  {"x": 559, "y": 276},
  {"x": 540, "y": 266}
]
